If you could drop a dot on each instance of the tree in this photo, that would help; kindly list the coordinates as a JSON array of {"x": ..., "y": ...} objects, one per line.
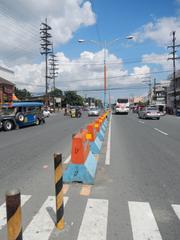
[
  {"x": 72, "y": 98},
  {"x": 22, "y": 94},
  {"x": 56, "y": 93}
]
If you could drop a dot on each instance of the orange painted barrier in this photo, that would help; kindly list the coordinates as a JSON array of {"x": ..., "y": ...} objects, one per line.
[
  {"x": 97, "y": 125},
  {"x": 91, "y": 135},
  {"x": 80, "y": 148}
]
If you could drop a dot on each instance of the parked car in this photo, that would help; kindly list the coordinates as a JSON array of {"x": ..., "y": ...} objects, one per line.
[
  {"x": 21, "y": 114},
  {"x": 149, "y": 113},
  {"x": 94, "y": 112}
]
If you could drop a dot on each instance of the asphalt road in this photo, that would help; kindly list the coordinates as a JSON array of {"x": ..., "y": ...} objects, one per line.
[{"x": 134, "y": 197}]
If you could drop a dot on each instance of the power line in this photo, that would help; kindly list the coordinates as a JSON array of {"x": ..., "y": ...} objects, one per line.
[
  {"x": 117, "y": 76},
  {"x": 111, "y": 89},
  {"x": 96, "y": 25},
  {"x": 125, "y": 61}
]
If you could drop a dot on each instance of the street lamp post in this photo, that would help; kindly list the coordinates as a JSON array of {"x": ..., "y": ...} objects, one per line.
[{"x": 105, "y": 45}]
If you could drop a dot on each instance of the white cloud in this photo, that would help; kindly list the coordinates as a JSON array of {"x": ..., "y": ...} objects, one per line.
[
  {"x": 86, "y": 72},
  {"x": 159, "y": 30},
  {"x": 20, "y": 22},
  {"x": 159, "y": 59}
]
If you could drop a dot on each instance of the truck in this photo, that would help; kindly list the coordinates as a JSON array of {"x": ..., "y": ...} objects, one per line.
[{"x": 121, "y": 106}]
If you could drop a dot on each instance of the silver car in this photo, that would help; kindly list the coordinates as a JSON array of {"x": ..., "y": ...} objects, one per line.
[
  {"x": 93, "y": 112},
  {"x": 149, "y": 113}
]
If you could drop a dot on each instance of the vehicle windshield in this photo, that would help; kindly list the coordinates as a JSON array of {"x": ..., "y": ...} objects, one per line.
[
  {"x": 152, "y": 108},
  {"x": 7, "y": 111},
  {"x": 123, "y": 100}
]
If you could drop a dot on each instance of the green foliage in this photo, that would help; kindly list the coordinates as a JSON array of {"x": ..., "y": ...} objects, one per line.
[
  {"x": 22, "y": 94},
  {"x": 56, "y": 93},
  {"x": 72, "y": 98}
]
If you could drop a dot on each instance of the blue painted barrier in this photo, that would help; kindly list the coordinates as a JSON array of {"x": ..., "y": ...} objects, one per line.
[
  {"x": 84, "y": 173},
  {"x": 95, "y": 146}
]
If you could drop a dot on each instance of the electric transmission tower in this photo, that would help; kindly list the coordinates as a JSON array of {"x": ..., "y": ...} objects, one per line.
[
  {"x": 174, "y": 58},
  {"x": 53, "y": 71},
  {"x": 46, "y": 49}
]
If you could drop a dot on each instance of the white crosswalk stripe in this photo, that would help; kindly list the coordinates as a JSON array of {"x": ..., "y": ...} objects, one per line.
[
  {"x": 3, "y": 219},
  {"x": 42, "y": 223},
  {"x": 94, "y": 223},
  {"x": 144, "y": 226},
  {"x": 176, "y": 209}
]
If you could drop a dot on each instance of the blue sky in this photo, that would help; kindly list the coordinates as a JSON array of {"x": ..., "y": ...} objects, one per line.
[
  {"x": 129, "y": 62},
  {"x": 118, "y": 19}
]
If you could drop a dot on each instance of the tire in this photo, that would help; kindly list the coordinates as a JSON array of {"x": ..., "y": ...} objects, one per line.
[
  {"x": 8, "y": 125},
  {"x": 20, "y": 117},
  {"x": 158, "y": 118},
  {"x": 37, "y": 122}
]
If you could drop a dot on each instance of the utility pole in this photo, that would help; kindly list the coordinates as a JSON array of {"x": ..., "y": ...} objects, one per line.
[
  {"x": 105, "y": 71},
  {"x": 149, "y": 92},
  {"x": 53, "y": 72},
  {"x": 45, "y": 50},
  {"x": 154, "y": 89},
  {"x": 173, "y": 58}
]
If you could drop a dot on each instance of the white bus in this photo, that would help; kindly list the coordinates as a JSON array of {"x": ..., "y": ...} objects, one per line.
[{"x": 122, "y": 106}]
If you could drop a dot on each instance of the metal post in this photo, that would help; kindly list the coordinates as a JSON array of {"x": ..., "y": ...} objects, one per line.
[
  {"x": 174, "y": 69},
  {"x": 59, "y": 190},
  {"x": 14, "y": 219},
  {"x": 154, "y": 89},
  {"x": 174, "y": 46},
  {"x": 105, "y": 75}
]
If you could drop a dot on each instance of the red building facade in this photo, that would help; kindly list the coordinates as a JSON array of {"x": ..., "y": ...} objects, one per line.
[{"x": 6, "y": 91}]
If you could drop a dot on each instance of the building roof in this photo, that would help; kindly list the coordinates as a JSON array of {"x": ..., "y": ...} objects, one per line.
[{"x": 4, "y": 81}]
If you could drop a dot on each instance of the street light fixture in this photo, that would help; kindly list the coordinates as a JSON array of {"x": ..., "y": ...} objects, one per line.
[{"x": 105, "y": 45}]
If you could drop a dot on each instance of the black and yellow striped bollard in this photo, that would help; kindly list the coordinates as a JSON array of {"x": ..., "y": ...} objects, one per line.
[
  {"x": 14, "y": 219},
  {"x": 59, "y": 190}
]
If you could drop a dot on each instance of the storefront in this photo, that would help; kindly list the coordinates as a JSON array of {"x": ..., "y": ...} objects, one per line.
[{"x": 6, "y": 91}]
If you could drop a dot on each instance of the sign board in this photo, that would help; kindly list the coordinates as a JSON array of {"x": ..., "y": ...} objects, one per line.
[{"x": 57, "y": 99}]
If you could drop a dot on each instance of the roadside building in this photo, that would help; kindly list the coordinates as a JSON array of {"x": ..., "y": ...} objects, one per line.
[
  {"x": 172, "y": 91},
  {"x": 137, "y": 99},
  {"x": 6, "y": 85},
  {"x": 159, "y": 95}
]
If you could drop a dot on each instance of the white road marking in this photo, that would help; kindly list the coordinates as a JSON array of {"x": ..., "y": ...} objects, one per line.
[
  {"x": 42, "y": 224},
  {"x": 176, "y": 209},
  {"x": 161, "y": 131},
  {"x": 141, "y": 121},
  {"x": 3, "y": 219},
  {"x": 108, "y": 152},
  {"x": 144, "y": 226},
  {"x": 94, "y": 223},
  {"x": 67, "y": 160}
]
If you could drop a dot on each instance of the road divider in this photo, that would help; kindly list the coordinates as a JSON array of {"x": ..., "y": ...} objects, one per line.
[{"x": 86, "y": 143}]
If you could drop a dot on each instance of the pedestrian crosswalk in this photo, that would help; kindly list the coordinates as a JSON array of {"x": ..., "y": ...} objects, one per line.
[
  {"x": 143, "y": 222},
  {"x": 94, "y": 223}
]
